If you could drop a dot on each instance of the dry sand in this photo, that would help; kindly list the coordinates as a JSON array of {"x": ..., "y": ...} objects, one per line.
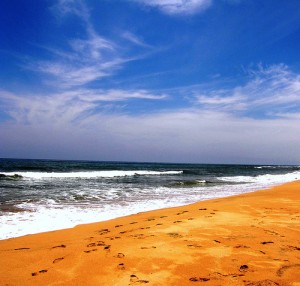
[{"x": 249, "y": 239}]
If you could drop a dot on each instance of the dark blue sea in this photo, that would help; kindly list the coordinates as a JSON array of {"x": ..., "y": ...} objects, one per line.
[{"x": 43, "y": 195}]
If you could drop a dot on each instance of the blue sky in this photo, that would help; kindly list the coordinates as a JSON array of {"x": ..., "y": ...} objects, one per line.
[{"x": 206, "y": 81}]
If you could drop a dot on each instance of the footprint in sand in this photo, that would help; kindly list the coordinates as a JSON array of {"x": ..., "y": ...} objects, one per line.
[
  {"x": 103, "y": 231},
  {"x": 282, "y": 269},
  {"x": 175, "y": 235},
  {"x": 144, "y": 247},
  {"x": 94, "y": 244},
  {"x": 91, "y": 244},
  {"x": 121, "y": 266},
  {"x": 40, "y": 271},
  {"x": 163, "y": 216},
  {"x": 118, "y": 225},
  {"x": 203, "y": 209},
  {"x": 199, "y": 279},
  {"x": 120, "y": 255},
  {"x": 177, "y": 221},
  {"x": 134, "y": 222},
  {"x": 88, "y": 251},
  {"x": 194, "y": 245},
  {"x": 22, "y": 248},
  {"x": 244, "y": 268},
  {"x": 217, "y": 275},
  {"x": 58, "y": 259},
  {"x": 134, "y": 280},
  {"x": 293, "y": 247},
  {"x": 241, "y": 246},
  {"x": 138, "y": 236},
  {"x": 100, "y": 243},
  {"x": 182, "y": 212},
  {"x": 59, "y": 246},
  {"x": 262, "y": 283}
]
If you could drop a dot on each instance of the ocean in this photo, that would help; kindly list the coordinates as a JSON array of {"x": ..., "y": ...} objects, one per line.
[{"x": 45, "y": 195}]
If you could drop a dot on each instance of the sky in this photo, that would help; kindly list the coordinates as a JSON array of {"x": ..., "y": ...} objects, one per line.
[{"x": 187, "y": 81}]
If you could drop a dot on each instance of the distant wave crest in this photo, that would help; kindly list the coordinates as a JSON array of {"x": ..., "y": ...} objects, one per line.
[
  {"x": 10, "y": 177},
  {"x": 86, "y": 175}
]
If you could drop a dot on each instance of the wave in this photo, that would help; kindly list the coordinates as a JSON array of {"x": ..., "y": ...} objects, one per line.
[
  {"x": 264, "y": 179},
  {"x": 278, "y": 167},
  {"x": 87, "y": 175},
  {"x": 192, "y": 183},
  {"x": 10, "y": 177}
]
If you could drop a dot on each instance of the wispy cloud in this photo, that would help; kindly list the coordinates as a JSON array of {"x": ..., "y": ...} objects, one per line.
[
  {"x": 75, "y": 7},
  {"x": 276, "y": 85},
  {"x": 270, "y": 92},
  {"x": 68, "y": 74},
  {"x": 221, "y": 100},
  {"x": 65, "y": 107},
  {"x": 181, "y": 135},
  {"x": 87, "y": 59},
  {"x": 274, "y": 88},
  {"x": 134, "y": 39},
  {"x": 177, "y": 7},
  {"x": 210, "y": 131}
]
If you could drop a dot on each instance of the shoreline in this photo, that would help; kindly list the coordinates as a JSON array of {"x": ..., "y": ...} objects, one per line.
[
  {"x": 247, "y": 239},
  {"x": 32, "y": 226}
]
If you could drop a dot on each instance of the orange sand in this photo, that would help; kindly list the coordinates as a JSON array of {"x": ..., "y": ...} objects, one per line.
[{"x": 250, "y": 239}]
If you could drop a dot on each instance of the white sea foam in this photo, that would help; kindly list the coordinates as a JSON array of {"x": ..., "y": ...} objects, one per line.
[
  {"x": 267, "y": 179},
  {"x": 268, "y": 167},
  {"x": 51, "y": 215},
  {"x": 88, "y": 175},
  {"x": 46, "y": 218}
]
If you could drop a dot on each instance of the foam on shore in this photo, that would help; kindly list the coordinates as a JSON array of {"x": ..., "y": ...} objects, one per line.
[{"x": 249, "y": 239}]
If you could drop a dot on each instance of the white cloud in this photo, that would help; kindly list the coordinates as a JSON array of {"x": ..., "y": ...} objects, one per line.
[
  {"x": 92, "y": 48},
  {"x": 87, "y": 59},
  {"x": 75, "y": 7},
  {"x": 222, "y": 101},
  {"x": 64, "y": 108},
  {"x": 210, "y": 131},
  {"x": 68, "y": 74},
  {"x": 134, "y": 39},
  {"x": 274, "y": 88},
  {"x": 182, "y": 135},
  {"x": 177, "y": 7}
]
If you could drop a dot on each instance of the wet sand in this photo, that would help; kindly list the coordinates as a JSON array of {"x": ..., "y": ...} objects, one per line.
[{"x": 250, "y": 239}]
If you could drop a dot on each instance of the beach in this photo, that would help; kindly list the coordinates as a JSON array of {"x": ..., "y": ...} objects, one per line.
[
  {"x": 46, "y": 195},
  {"x": 247, "y": 239}
]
